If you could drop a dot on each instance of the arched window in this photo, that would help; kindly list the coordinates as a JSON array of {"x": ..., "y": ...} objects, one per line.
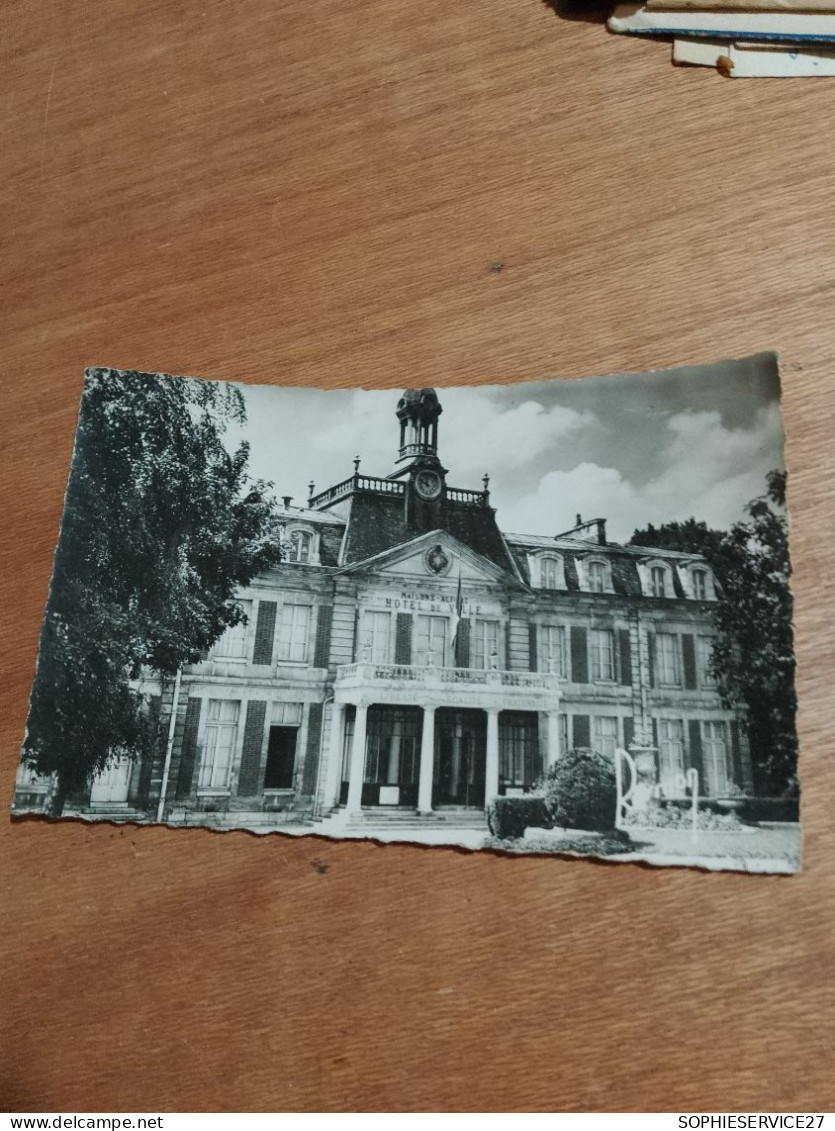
[
  {"x": 699, "y": 584},
  {"x": 658, "y": 581},
  {"x": 301, "y": 542},
  {"x": 549, "y": 573},
  {"x": 598, "y": 577}
]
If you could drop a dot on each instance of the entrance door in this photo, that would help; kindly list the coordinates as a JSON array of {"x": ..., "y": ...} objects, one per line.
[
  {"x": 281, "y": 758},
  {"x": 460, "y": 753},
  {"x": 111, "y": 786}
]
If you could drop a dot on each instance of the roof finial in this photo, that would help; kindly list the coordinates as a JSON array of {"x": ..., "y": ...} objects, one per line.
[
  {"x": 311, "y": 487},
  {"x": 356, "y": 465},
  {"x": 486, "y": 481}
]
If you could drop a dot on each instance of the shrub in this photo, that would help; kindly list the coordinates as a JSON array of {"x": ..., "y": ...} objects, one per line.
[
  {"x": 508, "y": 817},
  {"x": 580, "y": 791}
]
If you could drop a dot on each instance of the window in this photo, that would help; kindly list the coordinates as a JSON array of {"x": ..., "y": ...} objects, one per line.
[
  {"x": 286, "y": 714},
  {"x": 219, "y": 743},
  {"x": 715, "y": 758},
  {"x": 598, "y": 577},
  {"x": 552, "y": 649},
  {"x": 431, "y": 642},
  {"x": 392, "y": 752},
  {"x": 549, "y": 573},
  {"x": 699, "y": 577},
  {"x": 376, "y": 645},
  {"x": 705, "y": 659},
  {"x": 604, "y": 734},
  {"x": 669, "y": 659},
  {"x": 301, "y": 546},
  {"x": 602, "y": 645},
  {"x": 232, "y": 645},
  {"x": 518, "y": 749},
  {"x": 293, "y": 632},
  {"x": 671, "y": 752},
  {"x": 484, "y": 648},
  {"x": 658, "y": 581}
]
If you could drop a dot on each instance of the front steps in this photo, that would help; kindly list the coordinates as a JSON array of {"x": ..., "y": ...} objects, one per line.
[{"x": 395, "y": 820}]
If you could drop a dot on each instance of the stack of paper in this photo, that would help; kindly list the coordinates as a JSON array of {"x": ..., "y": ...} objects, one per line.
[{"x": 742, "y": 38}]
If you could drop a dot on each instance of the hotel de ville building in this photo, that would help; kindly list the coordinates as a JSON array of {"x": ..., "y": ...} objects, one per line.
[{"x": 408, "y": 660}]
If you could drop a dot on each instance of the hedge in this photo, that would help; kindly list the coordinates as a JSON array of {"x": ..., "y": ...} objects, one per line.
[
  {"x": 580, "y": 791},
  {"x": 508, "y": 817}
]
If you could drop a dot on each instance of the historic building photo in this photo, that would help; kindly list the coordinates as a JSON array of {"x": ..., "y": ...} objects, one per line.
[{"x": 407, "y": 667}]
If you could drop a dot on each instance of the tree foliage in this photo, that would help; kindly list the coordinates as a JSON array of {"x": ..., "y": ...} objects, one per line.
[
  {"x": 753, "y": 656},
  {"x": 161, "y": 527}
]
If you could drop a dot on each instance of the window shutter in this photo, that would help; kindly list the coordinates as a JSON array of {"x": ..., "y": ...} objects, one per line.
[
  {"x": 321, "y": 655},
  {"x": 582, "y": 731},
  {"x": 625, "y": 657},
  {"x": 688, "y": 647},
  {"x": 249, "y": 776},
  {"x": 696, "y": 759},
  {"x": 532, "y": 664},
  {"x": 651, "y": 657},
  {"x": 735, "y": 753},
  {"x": 314, "y": 742},
  {"x": 264, "y": 633},
  {"x": 355, "y": 645},
  {"x": 403, "y": 639},
  {"x": 628, "y": 730},
  {"x": 462, "y": 644},
  {"x": 579, "y": 655},
  {"x": 188, "y": 750},
  {"x": 655, "y": 733}
]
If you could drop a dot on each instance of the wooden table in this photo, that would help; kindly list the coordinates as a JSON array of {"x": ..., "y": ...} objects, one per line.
[{"x": 317, "y": 193}]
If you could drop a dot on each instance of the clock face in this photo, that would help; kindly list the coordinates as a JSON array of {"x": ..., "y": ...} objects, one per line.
[{"x": 428, "y": 484}]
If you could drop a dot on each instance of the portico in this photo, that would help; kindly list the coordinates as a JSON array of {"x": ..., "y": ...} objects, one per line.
[{"x": 456, "y": 760}]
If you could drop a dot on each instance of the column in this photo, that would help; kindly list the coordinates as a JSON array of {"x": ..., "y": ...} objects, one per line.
[
  {"x": 356, "y": 773},
  {"x": 333, "y": 778},
  {"x": 553, "y": 739},
  {"x": 427, "y": 761},
  {"x": 491, "y": 771}
]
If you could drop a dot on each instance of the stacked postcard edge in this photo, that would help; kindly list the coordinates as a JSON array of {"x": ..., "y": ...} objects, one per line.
[{"x": 754, "y": 39}]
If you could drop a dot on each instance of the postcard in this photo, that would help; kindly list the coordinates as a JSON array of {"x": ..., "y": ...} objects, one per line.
[{"x": 550, "y": 617}]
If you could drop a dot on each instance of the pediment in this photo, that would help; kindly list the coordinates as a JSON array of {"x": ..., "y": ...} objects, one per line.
[{"x": 436, "y": 556}]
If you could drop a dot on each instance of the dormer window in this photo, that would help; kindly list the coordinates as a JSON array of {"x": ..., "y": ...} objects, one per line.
[
  {"x": 551, "y": 572},
  {"x": 301, "y": 546},
  {"x": 656, "y": 579},
  {"x": 597, "y": 577},
  {"x": 699, "y": 577},
  {"x": 697, "y": 582},
  {"x": 300, "y": 542}
]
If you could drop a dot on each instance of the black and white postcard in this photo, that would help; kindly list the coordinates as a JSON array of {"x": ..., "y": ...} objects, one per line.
[{"x": 551, "y": 617}]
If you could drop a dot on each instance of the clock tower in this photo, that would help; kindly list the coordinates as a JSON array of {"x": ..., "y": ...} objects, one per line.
[{"x": 418, "y": 411}]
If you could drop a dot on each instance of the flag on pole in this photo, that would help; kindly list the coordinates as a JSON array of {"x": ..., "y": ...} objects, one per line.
[{"x": 456, "y": 613}]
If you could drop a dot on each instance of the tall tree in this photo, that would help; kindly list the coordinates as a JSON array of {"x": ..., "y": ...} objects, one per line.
[
  {"x": 161, "y": 527},
  {"x": 753, "y": 655}
]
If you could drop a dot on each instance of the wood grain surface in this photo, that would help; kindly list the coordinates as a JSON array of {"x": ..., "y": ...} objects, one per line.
[{"x": 310, "y": 192}]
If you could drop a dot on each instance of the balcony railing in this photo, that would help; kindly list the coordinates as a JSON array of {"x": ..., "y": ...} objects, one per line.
[
  {"x": 357, "y": 483},
  {"x": 366, "y": 672},
  {"x": 390, "y": 487}
]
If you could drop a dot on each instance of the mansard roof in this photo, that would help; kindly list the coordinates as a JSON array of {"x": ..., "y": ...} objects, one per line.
[
  {"x": 623, "y": 559},
  {"x": 376, "y": 522}
]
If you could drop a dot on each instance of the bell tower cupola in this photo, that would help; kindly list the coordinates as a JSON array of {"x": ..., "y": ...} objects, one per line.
[{"x": 418, "y": 411}]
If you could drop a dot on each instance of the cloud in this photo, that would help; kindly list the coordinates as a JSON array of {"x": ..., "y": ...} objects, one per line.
[{"x": 708, "y": 471}]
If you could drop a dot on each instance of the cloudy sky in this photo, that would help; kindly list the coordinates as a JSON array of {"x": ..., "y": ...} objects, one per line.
[{"x": 632, "y": 449}]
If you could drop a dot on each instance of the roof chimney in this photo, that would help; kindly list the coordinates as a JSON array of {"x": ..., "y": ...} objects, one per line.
[
  {"x": 579, "y": 521},
  {"x": 287, "y": 500}
]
